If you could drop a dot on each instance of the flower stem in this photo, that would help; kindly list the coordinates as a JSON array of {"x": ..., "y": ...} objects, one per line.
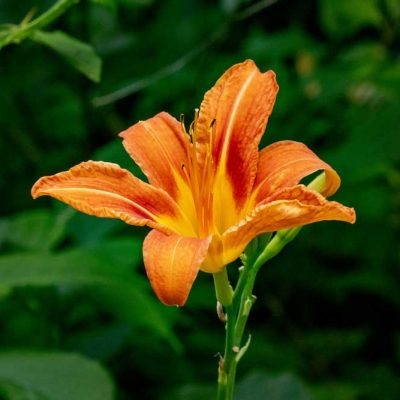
[
  {"x": 237, "y": 309},
  {"x": 274, "y": 247},
  {"x": 237, "y": 305},
  {"x": 227, "y": 366},
  {"x": 223, "y": 289}
]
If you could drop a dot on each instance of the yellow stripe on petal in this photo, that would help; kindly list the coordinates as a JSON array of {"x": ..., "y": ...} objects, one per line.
[
  {"x": 240, "y": 104},
  {"x": 172, "y": 263},
  {"x": 106, "y": 190}
]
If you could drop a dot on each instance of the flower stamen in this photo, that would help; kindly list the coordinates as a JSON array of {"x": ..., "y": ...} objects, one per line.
[{"x": 200, "y": 176}]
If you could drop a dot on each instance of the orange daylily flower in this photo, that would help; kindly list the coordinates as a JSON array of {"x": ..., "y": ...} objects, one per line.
[{"x": 211, "y": 191}]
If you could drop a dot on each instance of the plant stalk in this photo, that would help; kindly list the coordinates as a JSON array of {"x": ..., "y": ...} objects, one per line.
[
  {"x": 237, "y": 304},
  {"x": 237, "y": 309}
]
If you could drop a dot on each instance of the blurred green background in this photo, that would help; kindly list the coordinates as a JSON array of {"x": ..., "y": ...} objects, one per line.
[{"x": 78, "y": 319}]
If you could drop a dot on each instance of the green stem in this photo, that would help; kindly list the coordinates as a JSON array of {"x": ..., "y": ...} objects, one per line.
[
  {"x": 21, "y": 32},
  {"x": 237, "y": 310},
  {"x": 277, "y": 243},
  {"x": 223, "y": 289},
  {"x": 238, "y": 304},
  {"x": 226, "y": 366},
  {"x": 236, "y": 315}
]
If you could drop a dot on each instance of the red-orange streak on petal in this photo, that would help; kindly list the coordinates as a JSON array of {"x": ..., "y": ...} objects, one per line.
[
  {"x": 158, "y": 145},
  {"x": 172, "y": 263},
  {"x": 240, "y": 103},
  {"x": 286, "y": 163},
  {"x": 290, "y": 207},
  {"x": 106, "y": 190}
]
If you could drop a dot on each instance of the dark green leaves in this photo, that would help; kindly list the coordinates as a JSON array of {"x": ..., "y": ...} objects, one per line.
[
  {"x": 328, "y": 305},
  {"x": 80, "y": 55},
  {"x": 107, "y": 268},
  {"x": 52, "y": 376},
  {"x": 38, "y": 229}
]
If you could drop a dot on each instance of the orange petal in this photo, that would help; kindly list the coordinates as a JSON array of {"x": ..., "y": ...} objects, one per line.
[
  {"x": 285, "y": 164},
  {"x": 240, "y": 103},
  {"x": 159, "y": 146},
  {"x": 172, "y": 263},
  {"x": 106, "y": 190},
  {"x": 290, "y": 207}
]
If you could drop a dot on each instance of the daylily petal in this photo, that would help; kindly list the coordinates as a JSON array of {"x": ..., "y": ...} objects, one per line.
[
  {"x": 172, "y": 263},
  {"x": 290, "y": 207},
  {"x": 286, "y": 163},
  {"x": 106, "y": 190},
  {"x": 159, "y": 146},
  {"x": 240, "y": 103}
]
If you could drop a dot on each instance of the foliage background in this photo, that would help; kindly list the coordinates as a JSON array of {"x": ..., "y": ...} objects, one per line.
[{"x": 78, "y": 318}]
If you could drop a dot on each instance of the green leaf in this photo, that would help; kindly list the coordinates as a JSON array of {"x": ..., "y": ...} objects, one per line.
[
  {"x": 37, "y": 229},
  {"x": 261, "y": 386},
  {"x": 53, "y": 376},
  {"x": 78, "y": 266},
  {"x": 80, "y": 55},
  {"x": 10, "y": 391},
  {"x": 108, "y": 268},
  {"x": 4, "y": 33}
]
